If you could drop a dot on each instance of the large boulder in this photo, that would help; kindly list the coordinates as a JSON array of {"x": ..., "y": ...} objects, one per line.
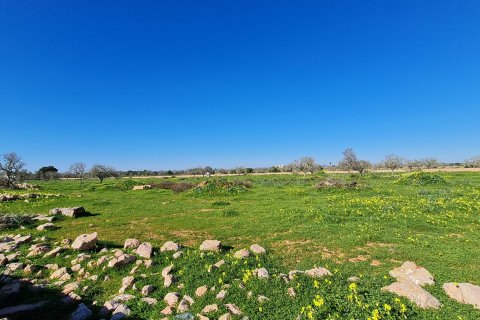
[
  {"x": 131, "y": 244},
  {"x": 410, "y": 272},
  {"x": 73, "y": 212},
  {"x": 85, "y": 242},
  {"x": 416, "y": 294},
  {"x": 464, "y": 293}
]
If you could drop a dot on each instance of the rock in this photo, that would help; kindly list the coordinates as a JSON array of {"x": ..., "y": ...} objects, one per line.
[
  {"x": 22, "y": 240},
  {"x": 61, "y": 274},
  {"x": 202, "y": 317},
  {"x": 142, "y": 187},
  {"x": 225, "y": 316},
  {"x": 128, "y": 281},
  {"x": 53, "y": 253},
  {"x": 145, "y": 250},
  {"x": 73, "y": 212},
  {"x": 410, "y": 272},
  {"x": 183, "y": 306},
  {"x": 211, "y": 245},
  {"x": 318, "y": 272},
  {"x": 3, "y": 260},
  {"x": 257, "y": 249},
  {"x": 210, "y": 308},
  {"x": 120, "y": 312},
  {"x": 291, "y": 292},
  {"x": 466, "y": 293},
  {"x": 167, "y": 270},
  {"x": 131, "y": 244},
  {"x": 262, "y": 273},
  {"x": 168, "y": 280},
  {"x": 38, "y": 251},
  {"x": 167, "y": 311},
  {"x": 218, "y": 264},
  {"x": 241, "y": 254},
  {"x": 221, "y": 295},
  {"x": 72, "y": 286},
  {"x": 148, "y": 263},
  {"x": 416, "y": 294},
  {"x": 146, "y": 290},
  {"x": 46, "y": 226},
  {"x": 150, "y": 301},
  {"x": 262, "y": 299},
  {"x": 170, "y": 246},
  {"x": 13, "y": 310},
  {"x": 353, "y": 279},
  {"x": 201, "y": 291},
  {"x": 85, "y": 242},
  {"x": 122, "y": 260},
  {"x": 177, "y": 254},
  {"x": 172, "y": 298},
  {"x": 233, "y": 309},
  {"x": 14, "y": 266},
  {"x": 123, "y": 297},
  {"x": 31, "y": 268},
  {"x": 81, "y": 313}
]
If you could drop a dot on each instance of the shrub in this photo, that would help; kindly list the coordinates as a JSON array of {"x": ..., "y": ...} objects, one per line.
[
  {"x": 223, "y": 187},
  {"x": 335, "y": 183},
  {"x": 11, "y": 221},
  {"x": 220, "y": 203},
  {"x": 421, "y": 178},
  {"x": 121, "y": 185}
]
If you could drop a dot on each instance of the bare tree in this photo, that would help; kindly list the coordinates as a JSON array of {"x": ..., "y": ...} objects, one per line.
[
  {"x": 305, "y": 164},
  {"x": 472, "y": 162},
  {"x": 11, "y": 167},
  {"x": 101, "y": 172},
  {"x": 392, "y": 162},
  {"x": 78, "y": 170},
  {"x": 350, "y": 162},
  {"x": 430, "y": 163}
]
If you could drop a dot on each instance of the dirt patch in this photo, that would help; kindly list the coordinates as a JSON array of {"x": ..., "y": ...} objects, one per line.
[{"x": 359, "y": 258}]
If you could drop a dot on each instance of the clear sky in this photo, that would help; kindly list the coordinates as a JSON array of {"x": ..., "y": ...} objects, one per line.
[{"x": 176, "y": 84}]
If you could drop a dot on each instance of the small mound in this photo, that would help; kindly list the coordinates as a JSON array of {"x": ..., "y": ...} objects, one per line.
[{"x": 421, "y": 178}]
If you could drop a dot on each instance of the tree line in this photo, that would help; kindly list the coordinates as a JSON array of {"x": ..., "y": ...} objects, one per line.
[{"x": 12, "y": 168}]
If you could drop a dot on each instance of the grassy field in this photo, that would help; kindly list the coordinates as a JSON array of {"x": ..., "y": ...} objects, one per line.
[{"x": 365, "y": 231}]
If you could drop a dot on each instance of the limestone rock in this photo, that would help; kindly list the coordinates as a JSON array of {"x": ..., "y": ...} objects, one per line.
[
  {"x": 170, "y": 246},
  {"x": 464, "y": 293},
  {"x": 73, "y": 212},
  {"x": 416, "y": 294},
  {"x": 131, "y": 244},
  {"x": 172, "y": 298},
  {"x": 318, "y": 272},
  {"x": 241, "y": 254},
  {"x": 85, "y": 242},
  {"x": 257, "y": 249},
  {"x": 145, "y": 250},
  {"x": 410, "y": 272},
  {"x": 46, "y": 226},
  {"x": 201, "y": 291},
  {"x": 211, "y": 245}
]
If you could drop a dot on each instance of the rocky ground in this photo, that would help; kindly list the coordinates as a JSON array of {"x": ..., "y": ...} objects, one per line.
[{"x": 86, "y": 278}]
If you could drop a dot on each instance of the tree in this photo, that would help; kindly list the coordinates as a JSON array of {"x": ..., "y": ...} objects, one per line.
[
  {"x": 350, "y": 162},
  {"x": 101, "y": 172},
  {"x": 304, "y": 164},
  {"x": 11, "y": 167},
  {"x": 473, "y": 162},
  {"x": 430, "y": 163},
  {"x": 392, "y": 162},
  {"x": 47, "y": 173},
  {"x": 78, "y": 170},
  {"x": 413, "y": 164}
]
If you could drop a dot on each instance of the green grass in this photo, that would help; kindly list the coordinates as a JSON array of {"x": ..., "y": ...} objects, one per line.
[{"x": 435, "y": 225}]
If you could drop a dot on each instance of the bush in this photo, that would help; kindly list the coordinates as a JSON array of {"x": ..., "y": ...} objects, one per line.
[
  {"x": 230, "y": 213},
  {"x": 12, "y": 221},
  {"x": 122, "y": 185},
  {"x": 223, "y": 187},
  {"x": 335, "y": 183},
  {"x": 421, "y": 178},
  {"x": 220, "y": 203}
]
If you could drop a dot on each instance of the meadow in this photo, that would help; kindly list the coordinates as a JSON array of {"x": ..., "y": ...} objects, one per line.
[{"x": 361, "y": 229}]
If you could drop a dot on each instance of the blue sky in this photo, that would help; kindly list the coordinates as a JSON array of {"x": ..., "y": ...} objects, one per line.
[{"x": 169, "y": 85}]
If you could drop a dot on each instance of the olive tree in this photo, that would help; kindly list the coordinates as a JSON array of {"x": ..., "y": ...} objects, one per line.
[
  {"x": 430, "y": 163},
  {"x": 472, "y": 162},
  {"x": 392, "y": 162},
  {"x": 11, "y": 166},
  {"x": 101, "y": 172}
]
